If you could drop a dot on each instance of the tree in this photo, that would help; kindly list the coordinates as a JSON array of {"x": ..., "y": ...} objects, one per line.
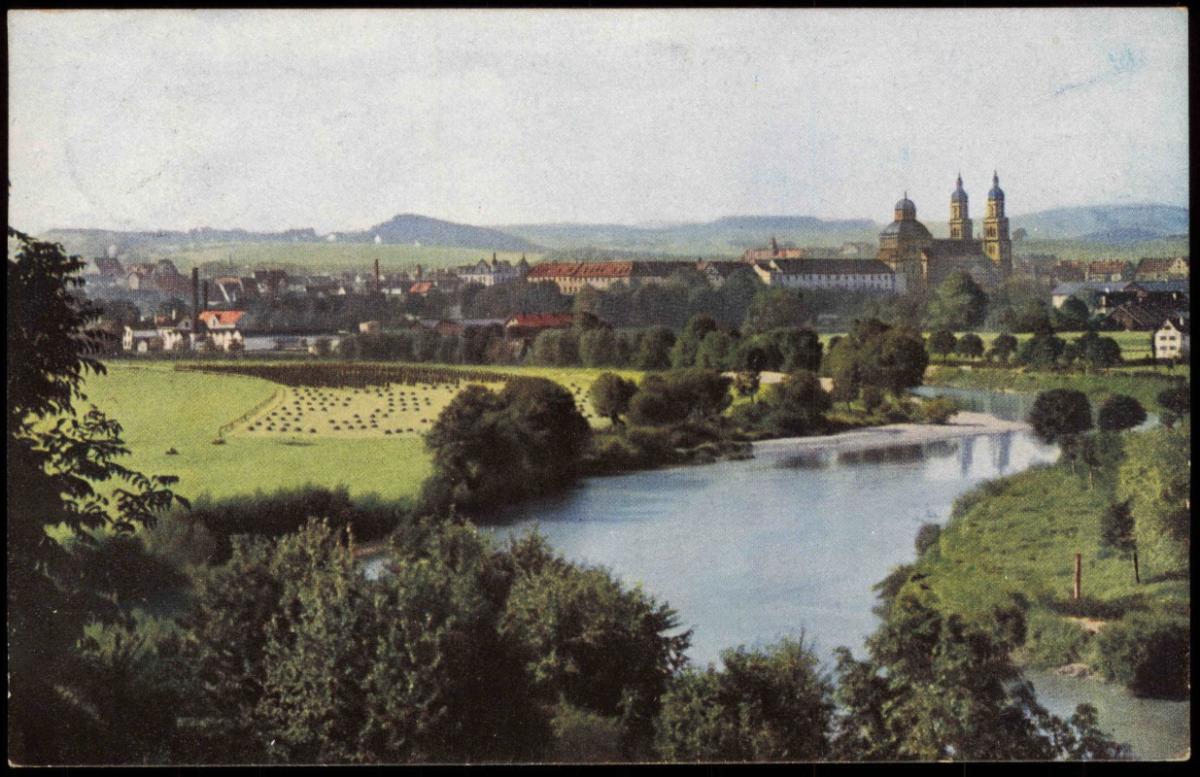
[
  {"x": 63, "y": 472},
  {"x": 654, "y": 349},
  {"x": 598, "y": 348},
  {"x": 683, "y": 353},
  {"x": 796, "y": 405},
  {"x": 775, "y": 308},
  {"x": 1177, "y": 399},
  {"x": 1004, "y": 346},
  {"x": 1120, "y": 412},
  {"x": 1097, "y": 352},
  {"x": 942, "y": 342},
  {"x": 681, "y": 395},
  {"x": 958, "y": 303},
  {"x": 969, "y": 346},
  {"x": 610, "y": 395},
  {"x": 1117, "y": 531},
  {"x": 1060, "y": 413},
  {"x": 936, "y": 687},
  {"x": 1072, "y": 316},
  {"x": 772, "y": 704},
  {"x": 590, "y": 641},
  {"x": 716, "y": 351},
  {"x": 1155, "y": 479},
  {"x": 1041, "y": 351}
]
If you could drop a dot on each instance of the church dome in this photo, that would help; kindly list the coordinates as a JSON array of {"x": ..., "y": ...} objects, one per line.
[
  {"x": 996, "y": 192},
  {"x": 959, "y": 194},
  {"x": 905, "y": 209},
  {"x": 907, "y": 229}
]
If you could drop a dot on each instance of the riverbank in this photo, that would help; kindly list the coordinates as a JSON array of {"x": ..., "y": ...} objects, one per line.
[{"x": 961, "y": 424}]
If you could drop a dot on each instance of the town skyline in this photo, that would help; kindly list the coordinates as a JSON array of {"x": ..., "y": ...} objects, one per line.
[{"x": 502, "y": 118}]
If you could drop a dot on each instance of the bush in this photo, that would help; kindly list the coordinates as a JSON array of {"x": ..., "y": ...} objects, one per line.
[
  {"x": 581, "y": 736},
  {"x": 938, "y": 410},
  {"x": 927, "y": 537},
  {"x": 1053, "y": 641},
  {"x": 1149, "y": 654}
]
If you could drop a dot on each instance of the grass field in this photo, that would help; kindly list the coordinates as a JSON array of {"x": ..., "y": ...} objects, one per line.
[
  {"x": 366, "y": 439},
  {"x": 1098, "y": 386},
  {"x": 1134, "y": 345},
  {"x": 334, "y": 257}
]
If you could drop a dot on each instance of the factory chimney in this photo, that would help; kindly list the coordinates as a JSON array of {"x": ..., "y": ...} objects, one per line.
[{"x": 195, "y": 300}]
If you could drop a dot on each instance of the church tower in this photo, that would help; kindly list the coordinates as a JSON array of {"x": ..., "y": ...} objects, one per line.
[
  {"x": 996, "y": 243},
  {"x": 960, "y": 222}
]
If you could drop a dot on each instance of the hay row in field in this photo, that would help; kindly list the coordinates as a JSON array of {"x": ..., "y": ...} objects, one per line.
[{"x": 350, "y": 375}]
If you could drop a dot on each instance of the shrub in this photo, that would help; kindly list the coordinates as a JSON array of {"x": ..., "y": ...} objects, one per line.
[
  {"x": 1149, "y": 653},
  {"x": 927, "y": 537},
  {"x": 1053, "y": 641},
  {"x": 938, "y": 410}
]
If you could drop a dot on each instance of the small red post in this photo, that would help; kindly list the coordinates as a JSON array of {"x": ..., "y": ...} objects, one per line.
[{"x": 1079, "y": 573}]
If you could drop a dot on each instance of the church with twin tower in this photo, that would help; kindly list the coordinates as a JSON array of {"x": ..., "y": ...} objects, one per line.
[{"x": 923, "y": 261}]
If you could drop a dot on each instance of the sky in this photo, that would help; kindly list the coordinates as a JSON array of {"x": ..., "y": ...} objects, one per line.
[{"x": 338, "y": 120}]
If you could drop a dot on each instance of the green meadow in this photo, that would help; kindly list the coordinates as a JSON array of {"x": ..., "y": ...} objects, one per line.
[
  {"x": 1143, "y": 384},
  {"x": 369, "y": 440},
  {"x": 334, "y": 257}
]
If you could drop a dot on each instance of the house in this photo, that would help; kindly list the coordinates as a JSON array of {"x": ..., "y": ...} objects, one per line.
[
  {"x": 1161, "y": 269},
  {"x": 527, "y": 325},
  {"x": 1169, "y": 293},
  {"x": 141, "y": 340},
  {"x": 495, "y": 273},
  {"x": 271, "y": 283},
  {"x": 108, "y": 266},
  {"x": 869, "y": 275},
  {"x": 221, "y": 320},
  {"x": 1112, "y": 270},
  {"x": 716, "y": 273},
  {"x": 1172, "y": 339},
  {"x": 421, "y": 288},
  {"x": 1136, "y": 316},
  {"x": 857, "y": 249},
  {"x": 1102, "y": 296},
  {"x": 773, "y": 251}
]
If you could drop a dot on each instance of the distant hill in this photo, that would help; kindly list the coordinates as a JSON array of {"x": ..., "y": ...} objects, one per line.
[
  {"x": 1111, "y": 224},
  {"x": 412, "y": 228},
  {"x": 724, "y": 236}
]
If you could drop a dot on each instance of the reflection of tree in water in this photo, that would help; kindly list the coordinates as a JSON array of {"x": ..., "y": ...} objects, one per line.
[
  {"x": 968, "y": 456},
  {"x": 1001, "y": 451},
  {"x": 899, "y": 454},
  {"x": 806, "y": 460}
]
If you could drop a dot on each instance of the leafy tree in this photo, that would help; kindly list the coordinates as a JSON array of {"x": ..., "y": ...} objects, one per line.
[
  {"x": 683, "y": 353},
  {"x": 875, "y": 354},
  {"x": 800, "y": 349},
  {"x": 598, "y": 646},
  {"x": 1154, "y": 479},
  {"x": 654, "y": 349},
  {"x": 765, "y": 705},
  {"x": 958, "y": 303},
  {"x": 969, "y": 346},
  {"x": 61, "y": 467},
  {"x": 695, "y": 393},
  {"x": 1072, "y": 316},
  {"x": 716, "y": 351},
  {"x": 1004, "y": 346},
  {"x": 1176, "y": 399},
  {"x": 1117, "y": 531},
  {"x": 1060, "y": 413},
  {"x": 935, "y": 687},
  {"x": 776, "y": 308},
  {"x": 942, "y": 342},
  {"x": 610, "y": 395},
  {"x": 1120, "y": 412},
  {"x": 1097, "y": 352},
  {"x": 1041, "y": 351},
  {"x": 598, "y": 348},
  {"x": 797, "y": 405}
]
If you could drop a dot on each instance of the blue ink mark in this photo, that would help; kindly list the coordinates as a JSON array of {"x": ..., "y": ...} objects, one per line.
[{"x": 1120, "y": 63}]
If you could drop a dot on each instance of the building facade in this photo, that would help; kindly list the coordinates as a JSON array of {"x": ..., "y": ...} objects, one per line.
[{"x": 869, "y": 275}]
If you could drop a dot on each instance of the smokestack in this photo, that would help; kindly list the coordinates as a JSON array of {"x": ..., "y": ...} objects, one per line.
[
  {"x": 378, "y": 282},
  {"x": 205, "y": 296},
  {"x": 195, "y": 300}
]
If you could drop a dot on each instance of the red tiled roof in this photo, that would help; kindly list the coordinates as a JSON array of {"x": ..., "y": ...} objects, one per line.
[
  {"x": 540, "y": 320},
  {"x": 421, "y": 287},
  {"x": 1114, "y": 265},
  {"x": 223, "y": 318},
  {"x": 549, "y": 270}
]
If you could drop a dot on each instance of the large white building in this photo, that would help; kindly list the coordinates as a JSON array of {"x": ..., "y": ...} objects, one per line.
[
  {"x": 493, "y": 273},
  {"x": 1172, "y": 340},
  {"x": 869, "y": 275}
]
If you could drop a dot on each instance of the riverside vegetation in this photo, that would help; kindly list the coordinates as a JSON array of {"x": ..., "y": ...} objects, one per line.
[{"x": 131, "y": 647}]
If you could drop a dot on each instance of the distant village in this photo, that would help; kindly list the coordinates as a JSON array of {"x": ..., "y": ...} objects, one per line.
[{"x": 1150, "y": 295}]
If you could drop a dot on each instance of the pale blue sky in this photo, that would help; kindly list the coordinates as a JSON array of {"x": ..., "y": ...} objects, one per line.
[{"x": 337, "y": 120}]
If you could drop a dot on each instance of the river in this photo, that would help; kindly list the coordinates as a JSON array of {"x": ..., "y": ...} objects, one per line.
[{"x": 792, "y": 541}]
